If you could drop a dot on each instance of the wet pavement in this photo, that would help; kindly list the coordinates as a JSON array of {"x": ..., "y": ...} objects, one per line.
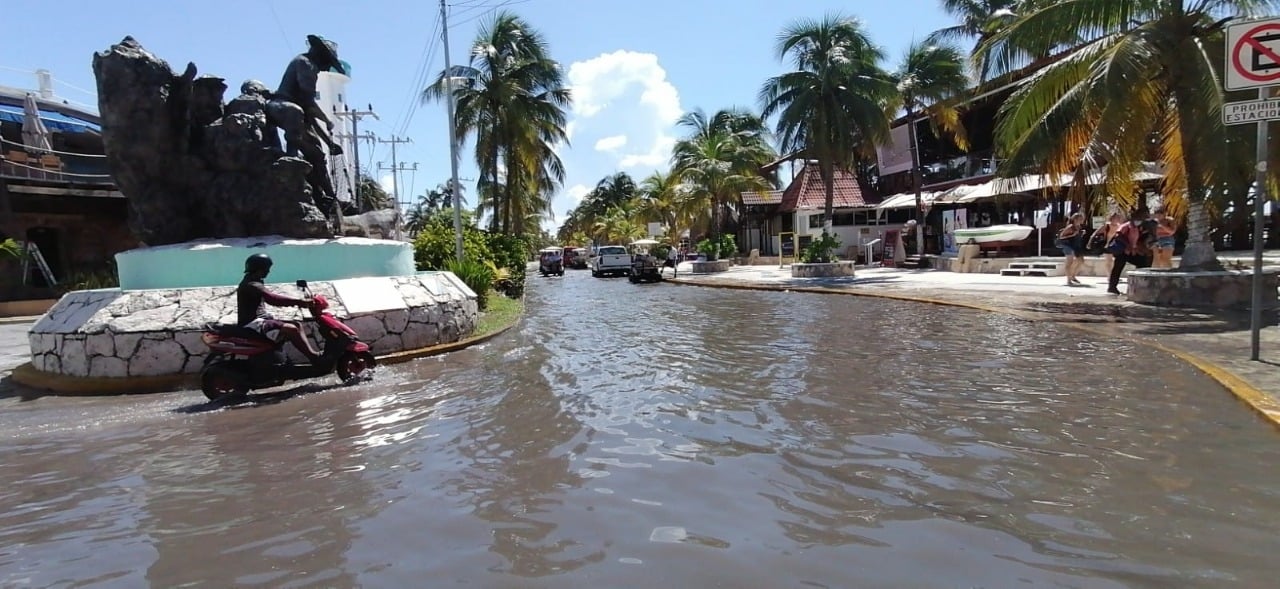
[
  {"x": 662, "y": 436},
  {"x": 1219, "y": 336}
]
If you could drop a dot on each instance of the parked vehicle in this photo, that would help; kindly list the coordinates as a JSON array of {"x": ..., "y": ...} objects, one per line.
[
  {"x": 576, "y": 257},
  {"x": 551, "y": 261},
  {"x": 611, "y": 260},
  {"x": 242, "y": 359},
  {"x": 644, "y": 267}
]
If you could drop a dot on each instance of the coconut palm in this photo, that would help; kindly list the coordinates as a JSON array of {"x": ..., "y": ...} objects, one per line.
[
  {"x": 929, "y": 80},
  {"x": 511, "y": 99},
  {"x": 833, "y": 107},
  {"x": 662, "y": 199},
  {"x": 1146, "y": 77},
  {"x": 719, "y": 160}
]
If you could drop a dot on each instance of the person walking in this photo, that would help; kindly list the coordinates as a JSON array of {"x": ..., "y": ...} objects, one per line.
[
  {"x": 1102, "y": 236},
  {"x": 1165, "y": 231},
  {"x": 1071, "y": 241},
  {"x": 673, "y": 259},
  {"x": 1126, "y": 247}
]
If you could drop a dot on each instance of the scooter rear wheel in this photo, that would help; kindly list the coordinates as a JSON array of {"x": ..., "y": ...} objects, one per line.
[
  {"x": 219, "y": 382},
  {"x": 351, "y": 365}
]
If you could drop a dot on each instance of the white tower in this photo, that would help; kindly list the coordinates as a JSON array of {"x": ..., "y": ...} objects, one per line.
[{"x": 331, "y": 95}]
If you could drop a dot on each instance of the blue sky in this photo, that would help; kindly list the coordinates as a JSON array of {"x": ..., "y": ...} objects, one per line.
[{"x": 635, "y": 66}]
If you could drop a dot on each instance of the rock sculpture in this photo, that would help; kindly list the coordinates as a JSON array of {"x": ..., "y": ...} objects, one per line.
[{"x": 195, "y": 168}]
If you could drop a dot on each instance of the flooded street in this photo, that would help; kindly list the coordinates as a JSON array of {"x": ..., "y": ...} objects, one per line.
[{"x": 663, "y": 436}]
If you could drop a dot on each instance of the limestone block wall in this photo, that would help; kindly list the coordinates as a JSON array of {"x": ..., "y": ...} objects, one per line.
[
  {"x": 114, "y": 333},
  {"x": 1229, "y": 288},
  {"x": 831, "y": 270}
]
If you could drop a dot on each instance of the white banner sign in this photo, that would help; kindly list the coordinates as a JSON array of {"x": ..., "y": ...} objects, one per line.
[{"x": 1250, "y": 111}]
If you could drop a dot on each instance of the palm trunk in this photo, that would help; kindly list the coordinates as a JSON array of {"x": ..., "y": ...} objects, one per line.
[
  {"x": 827, "y": 171},
  {"x": 1199, "y": 253},
  {"x": 917, "y": 182}
]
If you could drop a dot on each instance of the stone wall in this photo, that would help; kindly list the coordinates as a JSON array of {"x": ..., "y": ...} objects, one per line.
[
  {"x": 114, "y": 333},
  {"x": 832, "y": 270},
  {"x": 1172, "y": 288},
  {"x": 700, "y": 267}
]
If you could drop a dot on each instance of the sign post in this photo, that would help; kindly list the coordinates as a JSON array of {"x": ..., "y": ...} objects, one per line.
[{"x": 1253, "y": 61}]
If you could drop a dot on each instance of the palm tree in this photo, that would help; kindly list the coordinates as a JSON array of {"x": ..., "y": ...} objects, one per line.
[
  {"x": 10, "y": 248},
  {"x": 511, "y": 97},
  {"x": 719, "y": 160},
  {"x": 1145, "y": 81},
  {"x": 833, "y": 107},
  {"x": 372, "y": 197},
  {"x": 662, "y": 199},
  {"x": 929, "y": 80}
]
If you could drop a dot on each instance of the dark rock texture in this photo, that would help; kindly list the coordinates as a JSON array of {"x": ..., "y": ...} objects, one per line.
[{"x": 190, "y": 168}]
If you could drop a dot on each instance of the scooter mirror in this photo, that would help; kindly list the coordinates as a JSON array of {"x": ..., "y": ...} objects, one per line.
[{"x": 302, "y": 284}]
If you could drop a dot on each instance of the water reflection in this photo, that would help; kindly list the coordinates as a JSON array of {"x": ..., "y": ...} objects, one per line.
[{"x": 632, "y": 435}]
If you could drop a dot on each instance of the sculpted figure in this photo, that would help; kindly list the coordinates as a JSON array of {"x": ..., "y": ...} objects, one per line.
[{"x": 293, "y": 108}]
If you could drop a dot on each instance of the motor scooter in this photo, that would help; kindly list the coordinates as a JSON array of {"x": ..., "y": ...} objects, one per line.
[{"x": 242, "y": 359}]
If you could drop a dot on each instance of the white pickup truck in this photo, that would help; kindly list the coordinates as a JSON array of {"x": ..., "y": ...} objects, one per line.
[{"x": 611, "y": 260}]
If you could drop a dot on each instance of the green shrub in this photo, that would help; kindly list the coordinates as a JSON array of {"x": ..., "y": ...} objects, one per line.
[
  {"x": 710, "y": 248},
  {"x": 821, "y": 250},
  {"x": 10, "y": 248},
  {"x": 477, "y": 275},
  {"x": 509, "y": 254},
  {"x": 728, "y": 245},
  {"x": 434, "y": 247}
]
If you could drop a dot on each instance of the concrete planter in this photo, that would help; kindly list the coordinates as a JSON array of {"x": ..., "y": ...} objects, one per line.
[
  {"x": 830, "y": 270},
  {"x": 1173, "y": 288},
  {"x": 709, "y": 267}
]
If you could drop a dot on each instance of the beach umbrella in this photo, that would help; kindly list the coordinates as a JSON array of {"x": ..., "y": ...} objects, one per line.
[{"x": 34, "y": 134}]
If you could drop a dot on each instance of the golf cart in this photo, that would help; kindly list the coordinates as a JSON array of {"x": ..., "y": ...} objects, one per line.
[
  {"x": 551, "y": 261},
  {"x": 644, "y": 266}
]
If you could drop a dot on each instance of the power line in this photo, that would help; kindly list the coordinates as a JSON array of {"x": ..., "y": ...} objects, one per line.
[
  {"x": 279, "y": 24},
  {"x": 420, "y": 79}
]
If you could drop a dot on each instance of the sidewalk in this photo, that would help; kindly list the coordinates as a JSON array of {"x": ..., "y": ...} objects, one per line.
[{"x": 1217, "y": 342}]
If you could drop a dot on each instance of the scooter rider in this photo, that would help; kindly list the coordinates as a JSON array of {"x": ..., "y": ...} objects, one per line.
[{"x": 251, "y": 300}]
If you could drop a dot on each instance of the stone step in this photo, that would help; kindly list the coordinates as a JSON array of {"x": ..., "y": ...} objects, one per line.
[
  {"x": 1034, "y": 266},
  {"x": 1042, "y": 272}
]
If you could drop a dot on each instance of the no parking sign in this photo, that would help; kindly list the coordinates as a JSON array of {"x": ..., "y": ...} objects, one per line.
[{"x": 1253, "y": 54}]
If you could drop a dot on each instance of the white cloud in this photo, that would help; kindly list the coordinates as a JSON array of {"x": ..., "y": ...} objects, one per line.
[
  {"x": 659, "y": 154},
  {"x": 611, "y": 143},
  {"x": 627, "y": 90},
  {"x": 387, "y": 183},
  {"x": 576, "y": 193},
  {"x": 569, "y": 128}
]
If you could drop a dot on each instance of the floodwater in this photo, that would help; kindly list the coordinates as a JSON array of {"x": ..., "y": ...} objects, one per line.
[{"x": 664, "y": 436}]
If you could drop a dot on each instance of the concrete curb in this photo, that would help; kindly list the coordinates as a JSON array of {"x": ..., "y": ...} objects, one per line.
[
  {"x": 1256, "y": 399},
  {"x": 61, "y": 384},
  {"x": 16, "y": 320}
]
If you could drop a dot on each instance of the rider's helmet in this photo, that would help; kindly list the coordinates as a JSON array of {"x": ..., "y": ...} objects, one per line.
[{"x": 257, "y": 263}]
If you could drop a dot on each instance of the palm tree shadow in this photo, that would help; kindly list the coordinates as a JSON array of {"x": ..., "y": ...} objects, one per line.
[{"x": 254, "y": 400}]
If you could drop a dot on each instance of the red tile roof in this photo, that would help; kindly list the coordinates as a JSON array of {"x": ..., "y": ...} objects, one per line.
[
  {"x": 772, "y": 197},
  {"x": 807, "y": 191}
]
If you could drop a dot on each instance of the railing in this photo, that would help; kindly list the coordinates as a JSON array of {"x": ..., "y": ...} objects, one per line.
[
  {"x": 19, "y": 162},
  {"x": 959, "y": 168}
]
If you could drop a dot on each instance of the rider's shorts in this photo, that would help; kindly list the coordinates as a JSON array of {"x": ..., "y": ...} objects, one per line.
[{"x": 266, "y": 326}]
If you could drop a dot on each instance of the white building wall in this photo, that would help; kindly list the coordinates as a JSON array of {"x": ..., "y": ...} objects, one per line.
[
  {"x": 848, "y": 235},
  {"x": 331, "y": 95}
]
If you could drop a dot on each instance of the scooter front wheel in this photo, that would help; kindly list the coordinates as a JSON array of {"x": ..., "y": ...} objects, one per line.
[
  {"x": 352, "y": 365},
  {"x": 219, "y": 382}
]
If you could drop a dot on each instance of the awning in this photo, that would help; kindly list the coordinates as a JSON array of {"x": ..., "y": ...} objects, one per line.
[
  {"x": 905, "y": 200},
  {"x": 55, "y": 121}
]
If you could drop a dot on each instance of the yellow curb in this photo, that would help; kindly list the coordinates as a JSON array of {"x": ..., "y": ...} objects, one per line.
[
  {"x": 62, "y": 384},
  {"x": 1260, "y": 402}
]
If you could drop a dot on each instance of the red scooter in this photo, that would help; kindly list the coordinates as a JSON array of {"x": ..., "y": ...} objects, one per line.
[{"x": 241, "y": 359}]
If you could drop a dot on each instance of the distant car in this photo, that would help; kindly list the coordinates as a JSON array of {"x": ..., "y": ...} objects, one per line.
[
  {"x": 576, "y": 257},
  {"x": 611, "y": 260}
]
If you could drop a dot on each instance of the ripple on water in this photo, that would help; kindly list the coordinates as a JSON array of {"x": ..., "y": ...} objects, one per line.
[{"x": 722, "y": 438}]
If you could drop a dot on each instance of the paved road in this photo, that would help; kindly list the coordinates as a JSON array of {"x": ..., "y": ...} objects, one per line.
[{"x": 13, "y": 346}]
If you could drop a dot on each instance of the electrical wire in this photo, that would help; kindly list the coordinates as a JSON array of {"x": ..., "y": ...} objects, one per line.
[{"x": 420, "y": 79}]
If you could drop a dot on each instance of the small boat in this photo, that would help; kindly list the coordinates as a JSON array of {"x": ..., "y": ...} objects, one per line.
[{"x": 993, "y": 234}]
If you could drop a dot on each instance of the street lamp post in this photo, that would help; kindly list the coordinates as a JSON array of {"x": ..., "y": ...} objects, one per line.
[{"x": 455, "y": 189}]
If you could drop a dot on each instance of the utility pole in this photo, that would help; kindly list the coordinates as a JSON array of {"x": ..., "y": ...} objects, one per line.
[
  {"x": 455, "y": 189},
  {"x": 367, "y": 137},
  {"x": 355, "y": 116},
  {"x": 395, "y": 169}
]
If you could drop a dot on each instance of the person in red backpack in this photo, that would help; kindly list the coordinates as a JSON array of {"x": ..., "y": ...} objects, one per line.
[{"x": 1127, "y": 248}]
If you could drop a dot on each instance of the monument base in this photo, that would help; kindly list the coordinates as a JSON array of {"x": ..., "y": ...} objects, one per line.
[
  {"x": 827, "y": 270},
  {"x": 1174, "y": 288},
  {"x": 115, "y": 333}
]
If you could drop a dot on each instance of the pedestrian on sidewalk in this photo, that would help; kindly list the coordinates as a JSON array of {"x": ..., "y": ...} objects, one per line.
[
  {"x": 1071, "y": 241},
  {"x": 1102, "y": 236},
  {"x": 1127, "y": 247},
  {"x": 1165, "y": 231}
]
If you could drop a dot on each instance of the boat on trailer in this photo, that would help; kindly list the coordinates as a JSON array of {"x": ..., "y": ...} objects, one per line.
[{"x": 994, "y": 235}]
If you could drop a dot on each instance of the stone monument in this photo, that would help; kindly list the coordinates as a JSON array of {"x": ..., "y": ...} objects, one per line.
[{"x": 208, "y": 184}]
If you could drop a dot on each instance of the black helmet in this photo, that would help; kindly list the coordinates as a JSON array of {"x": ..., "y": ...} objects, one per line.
[{"x": 257, "y": 263}]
